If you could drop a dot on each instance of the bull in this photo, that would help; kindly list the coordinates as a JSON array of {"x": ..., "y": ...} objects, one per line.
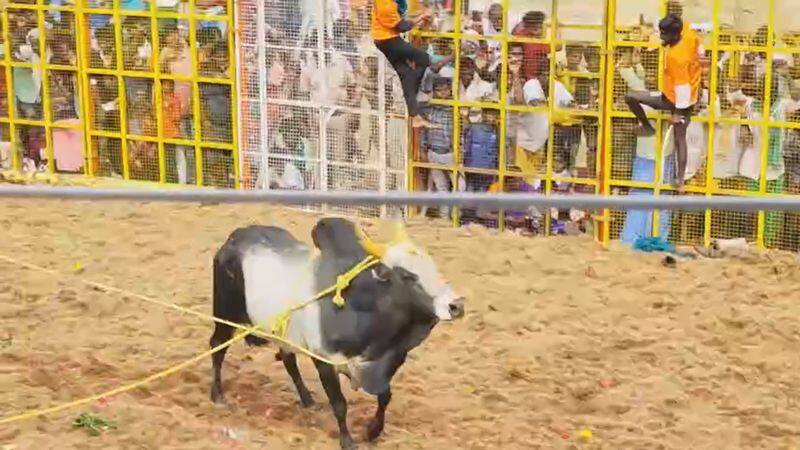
[{"x": 390, "y": 308}]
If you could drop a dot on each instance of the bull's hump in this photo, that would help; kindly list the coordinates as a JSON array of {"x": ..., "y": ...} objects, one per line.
[
  {"x": 274, "y": 281},
  {"x": 336, "y": 237}
]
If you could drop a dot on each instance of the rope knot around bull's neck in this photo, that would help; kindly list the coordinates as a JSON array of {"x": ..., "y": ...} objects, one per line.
[{"x": 342, "y": 281}]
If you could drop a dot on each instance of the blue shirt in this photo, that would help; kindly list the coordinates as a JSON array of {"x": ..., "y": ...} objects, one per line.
[
  {"x": 439, "y": 140},
  {"x": 98, "y": 20},
  {"x": 133, "y": 5}
]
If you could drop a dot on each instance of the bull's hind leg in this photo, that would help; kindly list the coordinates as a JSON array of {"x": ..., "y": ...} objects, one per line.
[
  {"x": 290, "y": 363},
  {"x": 222, "y": 333},
  {"x": 330, "y": 381}
]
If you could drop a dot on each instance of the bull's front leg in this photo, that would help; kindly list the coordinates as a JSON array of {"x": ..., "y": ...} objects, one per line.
[
  {"x": 392, "y": 361},
  {"x": 375, "y": 426},
  {"x": 330, "y": 382}
]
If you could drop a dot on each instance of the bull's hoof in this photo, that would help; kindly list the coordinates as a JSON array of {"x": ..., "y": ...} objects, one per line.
[
  {"x": 347, "y": 443},
  {"x": 217, "y": 397},
  {"x": 374, "y": 429}
]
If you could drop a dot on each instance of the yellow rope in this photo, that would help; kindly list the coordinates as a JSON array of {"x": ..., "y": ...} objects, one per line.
[
  {"x": 341, "y": 283},
  {"x": 125, "y": 388},
  {"x": 280, "y": 324}
]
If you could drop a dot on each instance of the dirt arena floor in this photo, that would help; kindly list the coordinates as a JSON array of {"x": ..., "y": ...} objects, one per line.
[{"x": 561, "y": 336}]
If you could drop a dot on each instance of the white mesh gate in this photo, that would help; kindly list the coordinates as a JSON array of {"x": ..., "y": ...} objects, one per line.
[{"x": 318, "y": 107}]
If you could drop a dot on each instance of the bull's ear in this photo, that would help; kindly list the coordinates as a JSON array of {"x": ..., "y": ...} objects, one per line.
[
  {"x": 407, "y": 275},
  {"x": 382, "y": 273}
]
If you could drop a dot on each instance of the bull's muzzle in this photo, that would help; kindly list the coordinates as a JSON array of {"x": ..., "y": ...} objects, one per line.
[{"x": 456, "y": 308}]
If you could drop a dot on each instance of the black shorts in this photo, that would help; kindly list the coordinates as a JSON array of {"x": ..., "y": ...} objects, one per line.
[{"x": 658, "y": 100}]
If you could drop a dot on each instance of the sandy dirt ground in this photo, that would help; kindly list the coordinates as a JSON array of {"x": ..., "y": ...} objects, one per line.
[{"x": 560, "y": 336}]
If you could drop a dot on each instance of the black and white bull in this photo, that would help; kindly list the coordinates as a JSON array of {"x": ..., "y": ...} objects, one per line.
[{"x": 390, "y": 308}]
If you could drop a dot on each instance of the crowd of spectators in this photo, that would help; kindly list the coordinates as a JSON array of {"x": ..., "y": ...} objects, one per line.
[
  {"x": 741, "y": 93},
  {"x": 137, "y": 55},
  {"x": 323, "y": 56},
  {"x": 347, "y": 81}
]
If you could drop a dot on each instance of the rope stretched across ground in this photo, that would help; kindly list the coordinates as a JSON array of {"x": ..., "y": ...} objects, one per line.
[{"x": 281, "y": 323}]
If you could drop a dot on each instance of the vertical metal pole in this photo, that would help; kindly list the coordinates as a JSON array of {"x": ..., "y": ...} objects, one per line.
[
  {"x": 196, "y": 111},
  {"x": 84, "y": 93},
  {"x": 765, "y": 119},
  {"x": 454, "y": 168},
  {"x": 658, "y": 176},
  {"x": 604, "y": 150},
  {"x": 551, "y": 111},
  {"x": 122, "y": 92},
  {"x": 47, "y": 107},
  {"x": 323, "y": 109},
  {"x": 263, "y": 98},
  {"x": 712, "y": 118},
  {"x": 159, "y": 101},
  {"x": 382, "y": 141},
  {"x": 16, "y": 161},
  {"x": 233, "y": 73},
  {"x": 502, "y": 163}
]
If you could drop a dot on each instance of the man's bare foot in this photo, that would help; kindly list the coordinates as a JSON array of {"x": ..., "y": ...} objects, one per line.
[
  {"x": 645, "y": 131},
  {"x": 436, "y": 67},
  {"x": 681, "y": 189}
]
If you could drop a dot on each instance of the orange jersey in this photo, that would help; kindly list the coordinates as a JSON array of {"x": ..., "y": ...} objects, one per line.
[
  {"x": 385, "y": 19},
  {"x": 682, "y": 71},
  {"x": 171, "y": 112}
]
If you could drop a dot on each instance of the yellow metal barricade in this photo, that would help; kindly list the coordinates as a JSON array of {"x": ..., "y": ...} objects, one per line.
[
  {"x": 741, "y": 139},
  {"x": 743, "y": 144},
  {"x": 146, "y": 90},
  {"x": 567, "y": 158},
  {"x": 131, "y": 89}
]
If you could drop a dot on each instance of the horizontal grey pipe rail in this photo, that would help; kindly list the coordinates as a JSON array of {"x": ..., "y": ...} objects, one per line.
[{"x": 507, "y": 201}]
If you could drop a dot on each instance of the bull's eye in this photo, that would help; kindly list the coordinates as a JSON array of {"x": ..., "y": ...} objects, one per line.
[{"x": 409, "y": 276}]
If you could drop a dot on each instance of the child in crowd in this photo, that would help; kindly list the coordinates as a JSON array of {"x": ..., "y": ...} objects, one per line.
[
  {"x": 480, "y": 148},
  {"x": 172, "y": 114},
  {"x": 437, "y": 141}
]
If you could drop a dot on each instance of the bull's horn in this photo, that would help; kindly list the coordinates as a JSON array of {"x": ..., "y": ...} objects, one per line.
[
  {"x": 400, "y": 234},
  {"x": 370, "y": 246}
]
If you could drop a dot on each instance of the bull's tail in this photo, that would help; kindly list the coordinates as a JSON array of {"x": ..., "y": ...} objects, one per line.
[{"x": 229, "y": 298}]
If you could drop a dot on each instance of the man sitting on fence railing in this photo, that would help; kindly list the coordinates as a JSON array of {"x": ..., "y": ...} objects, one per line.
[{"x": 682, "y": 77}]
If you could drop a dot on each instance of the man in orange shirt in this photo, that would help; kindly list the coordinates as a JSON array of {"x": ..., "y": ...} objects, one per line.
[
  {"x": 682, "y": 76},
  {"x": 409, "y": 62}
]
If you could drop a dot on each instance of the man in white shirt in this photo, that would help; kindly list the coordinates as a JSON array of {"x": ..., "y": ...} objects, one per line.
[
  {"x": 314, "y": 17},
  {"x": 492, "y": 25},
  {"x": 471, "y": 87},
  {"x": 533, "y": 127},
  {"x": 326, "y": 85}
]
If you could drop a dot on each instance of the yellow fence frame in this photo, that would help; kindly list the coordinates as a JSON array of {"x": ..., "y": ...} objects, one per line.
[
  {"x": 83, "y": 71},
  {"x": 604, "y": 182},
  {"x": 710, "y": 186},
  {"x": 502, "y": 172}
]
